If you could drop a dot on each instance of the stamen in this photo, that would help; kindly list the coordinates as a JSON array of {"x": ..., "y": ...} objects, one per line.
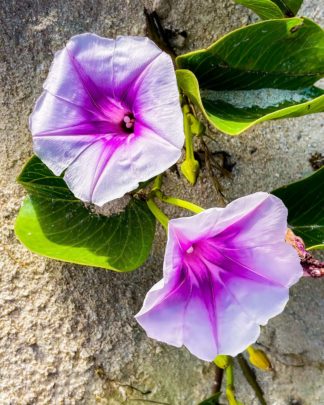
[
  {"x": 190, "y": 250},
  {"x": 128, "y": 123}
]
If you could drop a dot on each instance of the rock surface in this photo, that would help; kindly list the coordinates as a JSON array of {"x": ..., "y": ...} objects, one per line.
[{"x": 67, "y": 332}]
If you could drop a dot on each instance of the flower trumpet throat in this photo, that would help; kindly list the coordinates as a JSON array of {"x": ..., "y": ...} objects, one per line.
[{"x": 259, "y": 359}]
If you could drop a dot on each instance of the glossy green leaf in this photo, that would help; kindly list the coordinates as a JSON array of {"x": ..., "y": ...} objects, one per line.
[
  {"x": 53, "y": 223},
  {"x": 289, "y": 7},
  {"x": 265, "y": 9},
  {"x": 260, "y": 72},
  {"x": 270, "y": 9},
  {"x": 213, "y": 400},
  {"x": 305, "y": 202},
  {"x": 38, "y": 180}
]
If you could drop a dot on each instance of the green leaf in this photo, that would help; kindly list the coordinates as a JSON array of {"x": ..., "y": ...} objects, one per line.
[
  {"x": 38, "y": 180},
  {"x": 305, "y": 202},
  {"x": 289, "y": 7},
  {"x": 265, "y": 9},
  {"x": 53, "y": 223},
  {"x": 213, "y": 400},
  {"x": 260, "y": 72},
  {"x": 271, "y": 9}
]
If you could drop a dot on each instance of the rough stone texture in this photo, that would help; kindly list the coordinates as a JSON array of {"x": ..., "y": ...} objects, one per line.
[{"x": 67, "y": 332}]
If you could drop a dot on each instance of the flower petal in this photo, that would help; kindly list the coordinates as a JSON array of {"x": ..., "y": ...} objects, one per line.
[
  {"x": 236, "y": 330},
  {"x": 181, "y": 313},
  {"x": 84, "y": 174},
  {"x": 132, "y": 55},
  {"x": 155, "y": 99},
  {"x": 258, "y": 299},
  {"x": 179, "y": 317},
  {"x": 61, "y": 131},
  {"x": 257, "y": 220},
  {"x": 99, "y": 175},
  {"x": 253, "y": 220},
  {"x": 82, "y": 72},
  {"x": 273, "y": 263},
  {"x": 162, "y": 313},
  {"x": 260, "y": 294}
]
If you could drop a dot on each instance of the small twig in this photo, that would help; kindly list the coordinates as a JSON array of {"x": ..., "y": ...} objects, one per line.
[
  {"x": 251, "y": 379},
  {"x": 102, "y": 375},
  {"x": 148, "y": 400},
  {"x": 147, "y": 392},
  {"x": 215, "y": 181}
]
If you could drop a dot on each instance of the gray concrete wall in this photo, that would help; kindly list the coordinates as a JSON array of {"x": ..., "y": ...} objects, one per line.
[{"x": 67, "y": 333}]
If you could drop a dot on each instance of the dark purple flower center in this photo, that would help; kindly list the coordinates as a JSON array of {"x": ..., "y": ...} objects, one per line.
[{"x": 128, "y": 123}]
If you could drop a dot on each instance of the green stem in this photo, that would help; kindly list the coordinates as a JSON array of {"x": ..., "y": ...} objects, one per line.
[
  {"x": 159, "y": 215},
  {"x": 187, "y": 132},
  {"x": 179, "y": 203},
  {"x": 157, "y": 183},
  {"x": 251, "y": 379},
  {"x": 230, "y": 390},
  {"x": 229, "y": 372}
]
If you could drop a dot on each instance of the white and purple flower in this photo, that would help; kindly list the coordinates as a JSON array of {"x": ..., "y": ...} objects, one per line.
[
  {"x": 109, "y": 116},
  {"x": 226, "y": 271}
]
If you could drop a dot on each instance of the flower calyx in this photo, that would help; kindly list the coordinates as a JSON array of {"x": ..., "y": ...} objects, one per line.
[{"x": 222, "y": 361}]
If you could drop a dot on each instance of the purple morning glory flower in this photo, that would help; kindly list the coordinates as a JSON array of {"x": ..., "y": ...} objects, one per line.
[
  {"x": 226, "y": 271},
  {"x": 109, "y": 116}
]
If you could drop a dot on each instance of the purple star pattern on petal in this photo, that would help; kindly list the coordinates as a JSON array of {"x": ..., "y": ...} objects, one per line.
[
  {"x": 226, "y": 271},
  {"x": 109, "y": 116}
]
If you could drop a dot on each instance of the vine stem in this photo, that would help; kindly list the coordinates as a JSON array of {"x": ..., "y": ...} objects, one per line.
[
  {"x": 250, "y": 378},
  {"x": 230, "y": 393},
  {"x": 156, "y": 192},
  {"x": 214, "y": 180},
  {"x": 187, "y": 131},
  {"x": 157, "y": 183},
  {"x": 159, "y": 215},
  {"x": 179, "y": 203}
]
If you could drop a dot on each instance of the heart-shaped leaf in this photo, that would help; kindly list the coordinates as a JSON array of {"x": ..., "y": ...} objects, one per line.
[
  {"x": 53, "y": 223},
  {"x": 265, "y": 9},
  {"x": 260, "y": 72},
  {"x": 269, "y": 9},
  {"x": 305, "y": 202}
]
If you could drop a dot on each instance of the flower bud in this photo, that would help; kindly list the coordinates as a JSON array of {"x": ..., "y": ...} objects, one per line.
[
  {"x": 259, "y": 359},
  {"x": 190, "y": 169}
]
